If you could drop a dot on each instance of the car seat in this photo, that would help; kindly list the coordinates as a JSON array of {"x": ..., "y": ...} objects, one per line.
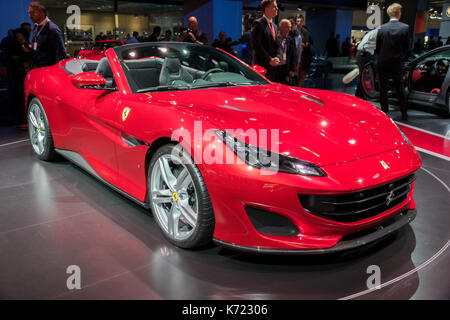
[
  {"x": 172, "y": 70},
  {"x": 104, "y": 69}
]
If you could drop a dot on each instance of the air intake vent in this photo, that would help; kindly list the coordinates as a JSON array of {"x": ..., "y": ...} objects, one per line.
[
  {"x": 313, "y": 100},
  {"x": 270, "y": 223}
]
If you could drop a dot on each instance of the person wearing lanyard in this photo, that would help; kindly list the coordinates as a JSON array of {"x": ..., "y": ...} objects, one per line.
[
  {"x": 47, "y": 41},
  {"x": 286, "y": 54}
]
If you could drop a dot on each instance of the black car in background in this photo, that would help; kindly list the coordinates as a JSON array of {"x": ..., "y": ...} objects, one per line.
[{"x": 426, "y": 78}]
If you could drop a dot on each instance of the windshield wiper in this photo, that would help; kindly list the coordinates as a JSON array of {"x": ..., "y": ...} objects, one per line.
[
  {"x": 208, "y": 85},
  {"x": 222, "y": 84},
  {"x": 163, "y": 88}
]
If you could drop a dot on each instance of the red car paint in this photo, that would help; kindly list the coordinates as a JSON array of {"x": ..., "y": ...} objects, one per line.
[
  {"x": 347, "y": 137},
  {"x": 88, "y": 79},
  {"x": 97, "y": 54}
]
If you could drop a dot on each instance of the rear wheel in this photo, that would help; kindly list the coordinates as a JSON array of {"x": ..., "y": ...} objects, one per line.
[
  {"x": 39, "y": 131},
  {"x": 179, "y": 199}
]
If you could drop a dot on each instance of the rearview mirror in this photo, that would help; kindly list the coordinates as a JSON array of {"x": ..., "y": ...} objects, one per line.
[
  {"x": 262, "y": 71},
  {"x": 88, "y": 79}
]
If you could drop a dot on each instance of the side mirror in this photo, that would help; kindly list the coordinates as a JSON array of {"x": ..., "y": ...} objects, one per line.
[
  {"x": 90, "y": 79},
  {"x": 262, "y": 71}
]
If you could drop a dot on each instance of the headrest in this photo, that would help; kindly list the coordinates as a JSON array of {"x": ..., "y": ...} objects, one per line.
[
  {"x": 172, "y": 64},
  {"x": 104, "y": 68},
  {"x": 144, "y": 63},
  {"x": 223, "y": 65}
]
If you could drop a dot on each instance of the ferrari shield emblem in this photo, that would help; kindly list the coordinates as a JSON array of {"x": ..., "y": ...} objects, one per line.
[
  {"x": 385, "y": 165},
  {"x": 125, "y": 113}
]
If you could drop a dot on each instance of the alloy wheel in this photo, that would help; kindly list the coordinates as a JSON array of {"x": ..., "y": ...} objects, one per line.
[
  {"x": 37, "y": 129},
  {"x": 174, "y": 197}
]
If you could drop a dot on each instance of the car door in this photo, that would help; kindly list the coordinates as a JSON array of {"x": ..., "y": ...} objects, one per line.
[
  {"x": 429, "y": 78},
  {"x": 94, "y": 127},
  {"x": 101, "y": 133},
  {"x": 131, "y": 151}
]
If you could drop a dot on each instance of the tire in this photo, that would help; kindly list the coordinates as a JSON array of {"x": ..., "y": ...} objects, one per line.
[
  {"x": 179, "y": 199},
  {"x": 39, "y": 131}
]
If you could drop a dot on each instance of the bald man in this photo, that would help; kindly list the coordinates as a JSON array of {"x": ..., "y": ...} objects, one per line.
[
  {"x": 192, "y": 34},
  {"x": 286, "y": 54}
]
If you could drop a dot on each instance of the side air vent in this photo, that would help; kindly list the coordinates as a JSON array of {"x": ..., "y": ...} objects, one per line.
[
  {"x": 313, "y": 100},
  {"x": 270, "y": 223}
]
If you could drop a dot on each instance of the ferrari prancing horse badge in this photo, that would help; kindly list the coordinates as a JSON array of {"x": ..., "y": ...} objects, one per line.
[
  {"x": 125, "y": 113},
  {"x": 385, "y": 165}
]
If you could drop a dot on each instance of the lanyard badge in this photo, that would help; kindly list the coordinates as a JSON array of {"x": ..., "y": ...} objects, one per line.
[{"x": 35, "y": 38}]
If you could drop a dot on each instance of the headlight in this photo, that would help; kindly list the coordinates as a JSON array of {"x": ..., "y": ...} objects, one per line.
[
  {"x": 268, "y": 160},
  {"x": 403, "y": 135},
  {"x": 406, "y": 138}
]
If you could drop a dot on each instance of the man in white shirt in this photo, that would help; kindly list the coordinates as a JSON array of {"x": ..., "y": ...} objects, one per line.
[
  {"x": 369, "y": 42},
  {"x": 366, "y": 49}
]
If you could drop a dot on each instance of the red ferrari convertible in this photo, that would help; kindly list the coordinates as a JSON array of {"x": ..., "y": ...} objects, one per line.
[{"x": 219, "y": 153}]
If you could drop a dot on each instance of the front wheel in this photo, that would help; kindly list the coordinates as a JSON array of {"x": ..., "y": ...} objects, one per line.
[
  {"x": 39, "y": 131},
  {"x": 179, "y": 199}
]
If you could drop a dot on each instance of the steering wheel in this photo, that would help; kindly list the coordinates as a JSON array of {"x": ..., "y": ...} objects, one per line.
[
  {"x": 207, "y": 73},
  {"x": 423, "y": 68},
  {"x": 439, "y": 67}
]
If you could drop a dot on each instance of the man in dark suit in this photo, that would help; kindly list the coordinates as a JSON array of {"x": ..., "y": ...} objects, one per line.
[
  {"x": 332, "y": 46},
  {"x": 286, "y": 54},
  {"x": 264, "y": 39},
  {"x": 392, "y": 47},
  {"x": 47, "y": 40},
  {"x": 304, "y": 67}
]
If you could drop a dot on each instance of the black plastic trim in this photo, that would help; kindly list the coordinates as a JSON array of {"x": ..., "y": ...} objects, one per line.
[
  {"x": 357, "y": 206},
  {"x": 344, "y": 245},
  {"x": 133, "y": 142}
]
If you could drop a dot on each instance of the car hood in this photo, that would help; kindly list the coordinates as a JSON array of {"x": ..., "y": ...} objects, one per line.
[{"x": 322, "y": 127}]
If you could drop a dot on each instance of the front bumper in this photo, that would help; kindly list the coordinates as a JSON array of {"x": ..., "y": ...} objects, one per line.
[
  {"x": 369, "y": 237},
  {"x": 235, "y": 188}
]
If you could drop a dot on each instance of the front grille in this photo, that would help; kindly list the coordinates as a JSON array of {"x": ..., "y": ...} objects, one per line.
[{"x": 359, "y": 205}]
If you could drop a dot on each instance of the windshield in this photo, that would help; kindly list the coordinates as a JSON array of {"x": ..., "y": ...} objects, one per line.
[
  {"x": 182, "y": 66},
  {"x": 106, "y": 45}
]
